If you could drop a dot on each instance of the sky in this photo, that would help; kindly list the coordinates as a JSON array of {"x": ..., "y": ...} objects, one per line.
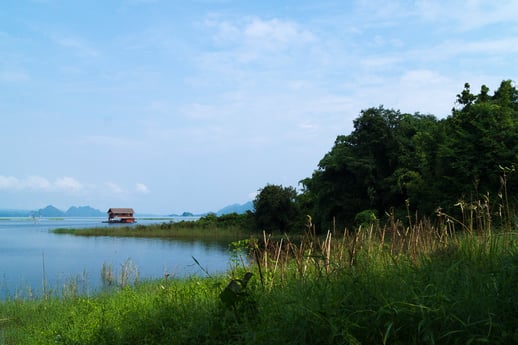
[{"x": 171, "y": 106}]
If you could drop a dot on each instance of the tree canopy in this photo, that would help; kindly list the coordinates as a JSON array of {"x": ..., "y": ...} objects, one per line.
[
  {"x": 395, "y": 161},
  {"x": 276, "y": 208}
]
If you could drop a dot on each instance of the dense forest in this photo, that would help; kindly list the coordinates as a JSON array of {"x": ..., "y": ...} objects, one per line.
[{"x": 398, "y": 164}]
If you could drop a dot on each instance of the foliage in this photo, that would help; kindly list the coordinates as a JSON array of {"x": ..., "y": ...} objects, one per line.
[
  {"x": 243, "y": 221},
  {"x": 365, "y": 218},
  {"x": 276, "y": 208},
  {"x": 416, "y": 163},
  {"x": 480, "y": 137}
]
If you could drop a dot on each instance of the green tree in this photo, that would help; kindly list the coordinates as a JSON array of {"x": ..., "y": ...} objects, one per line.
[
  {"x": 392, "y": 160},
  {"x": 479, "y": 137},
  {"x": 373, "y": 168},
  {"x": 276, "y": 208},
  {"x": 417, "y": 137}
]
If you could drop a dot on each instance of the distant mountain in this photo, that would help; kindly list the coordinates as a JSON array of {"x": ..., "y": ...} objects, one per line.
[
  {"x": 50, "y": 211},
  {"x": 236, "y": 208},
  {"x": 83, "y": 211}
]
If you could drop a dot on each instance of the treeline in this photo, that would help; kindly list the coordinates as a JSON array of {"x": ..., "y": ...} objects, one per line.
[
  {"x": 403, "y": 166},
  {"x": 212, "y": 221},
  {"x": 398, "y": 164}
]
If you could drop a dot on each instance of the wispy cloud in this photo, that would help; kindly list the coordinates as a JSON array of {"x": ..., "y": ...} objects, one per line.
[
  {"x": 468, "y": 15},
  {"x": 141, "y": 188},
  {"x": 275, "y": 33},
  {"x": 255, "y": 39},
  {"x": 114, "y": 188},
  {"x": 68, "y": 184},
  {"x": 65, "y": 183},
  {"x": 37, "y": 182},
  {"x": 9, "y": 182}
]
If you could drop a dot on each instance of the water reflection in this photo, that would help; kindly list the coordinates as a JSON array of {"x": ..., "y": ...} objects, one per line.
[{"x": 33, "y": 259}]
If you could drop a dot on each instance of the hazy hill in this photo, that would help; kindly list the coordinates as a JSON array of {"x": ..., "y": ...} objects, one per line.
[
  {"x": 237, "y": 208},
  {"x": 234, "y": 208},
  {"x": 83, "y": 211},
  {"x": 50, "y": 211}
]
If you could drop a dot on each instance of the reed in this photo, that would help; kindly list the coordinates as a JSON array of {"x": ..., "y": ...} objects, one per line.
[
  {"x": 164, "y": 230},
  {"x": 422, "y": 283}
]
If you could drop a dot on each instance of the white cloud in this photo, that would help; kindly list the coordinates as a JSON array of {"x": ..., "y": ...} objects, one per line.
[
  {"x": 255, "y": 39},
  {"x": 40, "y": 183},
  {"x": 415, "y": 90},
  {"x": 9, "y": 182},
  {"x": 68, "y": 184},
  {"x": 114, "y": 188},
  {"x": 37, "y": 182},
  {"x": 225, "y": 31},
  {"x": 422, "y": 77},
  {"x": 480, "y": 49},
  {"x": 255, "y": 30},
  {"x": 380, "y": 61},
  {"x": 469, "y": 15},
  {"x": 276, "y": 31},
  {"x": 141, "y": 188}
]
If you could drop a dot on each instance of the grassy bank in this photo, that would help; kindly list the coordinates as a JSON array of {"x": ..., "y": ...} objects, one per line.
[
  {"x": 164, "y": 230},
  {"x": 226, "y": 227},
  {"x": 390, "y": 285}
]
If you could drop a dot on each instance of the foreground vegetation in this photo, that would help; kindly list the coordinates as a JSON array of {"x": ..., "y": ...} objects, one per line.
[{"x": 419, "y": 284}]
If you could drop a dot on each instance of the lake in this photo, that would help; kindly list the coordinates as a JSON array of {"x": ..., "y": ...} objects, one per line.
[{"x": 33, "y": 259}]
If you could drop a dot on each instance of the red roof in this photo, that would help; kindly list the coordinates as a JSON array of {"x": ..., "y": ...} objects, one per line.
[{"x": 121, "y": 210}]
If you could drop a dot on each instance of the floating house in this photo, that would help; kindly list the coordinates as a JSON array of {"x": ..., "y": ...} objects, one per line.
[{"x": 121, "y": 215}]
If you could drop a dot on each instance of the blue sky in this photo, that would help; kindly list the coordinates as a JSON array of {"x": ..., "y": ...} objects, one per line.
[{"x": 172, "y": 106}]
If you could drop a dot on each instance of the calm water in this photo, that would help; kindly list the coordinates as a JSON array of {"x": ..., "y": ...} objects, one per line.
[{"x": 30, "y": 254}]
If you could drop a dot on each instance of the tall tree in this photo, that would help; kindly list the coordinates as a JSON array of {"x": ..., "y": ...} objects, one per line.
[
  {"x": 276, "y": 208},
  {"x": 480, "y": 137},
  {"x": 358, "y": 172}
]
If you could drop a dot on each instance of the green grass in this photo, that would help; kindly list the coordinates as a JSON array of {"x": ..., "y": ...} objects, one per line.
[
  {"x": 391, "y": 285},
  {"x": 164, "y": 230}
]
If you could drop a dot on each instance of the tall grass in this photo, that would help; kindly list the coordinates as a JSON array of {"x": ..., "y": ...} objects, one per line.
[
  {"x": 421, "y": 283},
  {"x": 164, "y": 230}
]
